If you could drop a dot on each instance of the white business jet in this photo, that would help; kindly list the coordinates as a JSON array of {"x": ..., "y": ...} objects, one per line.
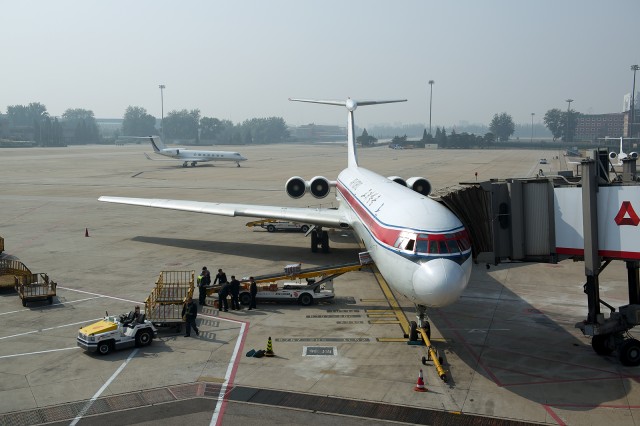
[
  {"x": 621, "y": 155},
  {"x": 192, "y": 156},
  {"x": 419, "y": 246}
]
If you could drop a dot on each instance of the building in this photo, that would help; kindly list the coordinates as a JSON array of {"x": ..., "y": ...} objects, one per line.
[
  {"x": 317, "y": 133},
  {"x": 591, "y": 127}
]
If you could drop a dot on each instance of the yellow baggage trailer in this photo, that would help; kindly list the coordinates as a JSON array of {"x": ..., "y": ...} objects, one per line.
[{"x": 164, "y": 305}]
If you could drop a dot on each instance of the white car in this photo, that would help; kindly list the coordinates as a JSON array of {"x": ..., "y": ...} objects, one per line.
[
  {"x": 543, "y": 161},
  {"x": 282, "y": 225}
]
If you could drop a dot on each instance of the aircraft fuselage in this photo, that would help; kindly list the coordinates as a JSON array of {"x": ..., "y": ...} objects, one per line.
[{"x": 428, "y": 257}]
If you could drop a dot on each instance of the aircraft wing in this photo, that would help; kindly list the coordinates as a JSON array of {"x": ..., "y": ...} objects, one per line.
[{"x": 316, "y": 216}]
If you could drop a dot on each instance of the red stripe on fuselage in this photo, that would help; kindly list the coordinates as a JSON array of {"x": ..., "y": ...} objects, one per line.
[{"x": 385, "y": 235}]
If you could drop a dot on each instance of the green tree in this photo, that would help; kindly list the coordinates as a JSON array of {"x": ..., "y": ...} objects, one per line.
[
  {"x": 182, "y": 124},
  {"x": 441, "y": 137},
  {"x": 136, "y": 122},
  {"x": 365, "y": 139},
  {"x": 502, "y": 126},
  {"x": 84, "y": 123},
  {"x": 556, "y": 122}
]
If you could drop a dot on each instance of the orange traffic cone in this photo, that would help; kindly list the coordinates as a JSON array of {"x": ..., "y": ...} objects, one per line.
[
  {"x": 420, "y": 387},
  {"x": 86, "y": 232}
]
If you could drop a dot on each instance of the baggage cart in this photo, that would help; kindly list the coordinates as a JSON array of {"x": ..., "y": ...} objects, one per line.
[
  {"x": 35, "y": 287},
  {"x": 164, "y": 305}
]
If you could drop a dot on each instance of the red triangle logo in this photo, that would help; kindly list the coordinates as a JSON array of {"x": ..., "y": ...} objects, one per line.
[{"x": 626, "y": 215}]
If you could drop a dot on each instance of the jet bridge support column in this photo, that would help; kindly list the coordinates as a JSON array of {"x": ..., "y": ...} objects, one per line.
[
  {"x": 633, "y": 278},
  {"x": 590, "y": 228}
]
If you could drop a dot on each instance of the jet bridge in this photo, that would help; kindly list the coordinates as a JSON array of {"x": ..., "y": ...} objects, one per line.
[{"x": 589, "y": 218}]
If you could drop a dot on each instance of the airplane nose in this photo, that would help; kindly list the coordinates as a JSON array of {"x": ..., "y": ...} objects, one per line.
[{"x": 439, "y": 282}]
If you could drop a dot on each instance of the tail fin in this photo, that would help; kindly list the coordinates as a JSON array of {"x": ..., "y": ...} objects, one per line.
[
  {"x": 351, "y": 106},
  {"x": 156, "y": 143}
]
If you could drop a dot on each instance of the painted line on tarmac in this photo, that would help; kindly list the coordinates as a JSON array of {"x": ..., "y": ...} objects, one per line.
[
  {"x": 39, "y": 352},
  {"x": 102, "y": 389},
  {"x": 232, "y": 368},
  {"x": 54, "y": 304},
  {"x": 49, "y": 328}
]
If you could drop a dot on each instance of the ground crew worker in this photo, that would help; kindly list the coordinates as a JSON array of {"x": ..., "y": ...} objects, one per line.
[
  {"x": 204, "y": 279},
  {"x": 234, "y": 287},
  {"x": 134, "y": 317},
  {"x": 189, "y": 313},
  {"x": 253, "y": 291},
  {"x": 220, "y": 277},
  {"x": 222, "y": 297}
]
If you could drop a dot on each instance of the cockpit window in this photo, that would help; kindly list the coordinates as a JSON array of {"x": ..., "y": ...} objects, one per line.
[{"x": 442, "y": 243}]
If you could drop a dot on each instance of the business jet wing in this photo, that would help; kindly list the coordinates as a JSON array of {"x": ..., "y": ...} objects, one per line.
[{"x": 316, "y": 216}]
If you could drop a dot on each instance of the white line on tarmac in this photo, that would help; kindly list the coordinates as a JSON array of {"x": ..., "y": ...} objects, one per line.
[
  {"x": 50, "y": 328},
  {"x": 99, "y": 295},
  {"x": 39, "y": 352},
  {"x": 227, "y": 377},
  {"x": 54, "y": 304},
  {"x": 107, "y": 383}
]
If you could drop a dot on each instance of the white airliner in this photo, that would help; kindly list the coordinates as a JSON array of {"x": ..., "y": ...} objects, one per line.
[
  {"x": 192, "y": 156},
  {"x": 419, "y": 246},
  {"x": 621, "y": 155}
]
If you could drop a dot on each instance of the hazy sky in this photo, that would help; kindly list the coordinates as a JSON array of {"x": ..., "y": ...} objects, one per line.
[{"x": 242, "y": 59}]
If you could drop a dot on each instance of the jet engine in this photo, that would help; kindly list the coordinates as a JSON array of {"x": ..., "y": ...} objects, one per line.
[
  {"x": 397, "y": 179},
  {"x": 319, "y": 186},
  {"x": 633, "y": 155},
  {"x": 613, "y": 155},
  {"x": 296, "y": 187},
  {"x": 420, "y": 185}
]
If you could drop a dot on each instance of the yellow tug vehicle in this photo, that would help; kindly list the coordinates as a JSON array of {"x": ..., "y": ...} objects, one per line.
[{"x": 116, "y": 332}]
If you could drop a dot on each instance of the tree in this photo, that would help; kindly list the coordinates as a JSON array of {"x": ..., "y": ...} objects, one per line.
[
  {"x": 210, "y": 128},
  {"x": 365, "y": 139},
  {"x": 182, "y": 124},
  {"x": 555, "y": 121},
  {"x": 441, "y": 137},
  {"x": 137, "y": 122},
  {"x": 84, "y": 123},
  {"x": 502, "y": 126}
]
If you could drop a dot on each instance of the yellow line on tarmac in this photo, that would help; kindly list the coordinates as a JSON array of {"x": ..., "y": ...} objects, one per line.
[
  {"x": 392, "y": 301},
  {"x": 383, "y": 321}
]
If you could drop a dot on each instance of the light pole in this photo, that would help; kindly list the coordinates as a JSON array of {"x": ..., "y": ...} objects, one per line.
[
  {"x": 162, "y": 86},
  {"x": 431, "y": 103},
  {"x": 532, "y": 114},
  {"x": 568, "y": 113},
  {"x": 632, "y": 117}
]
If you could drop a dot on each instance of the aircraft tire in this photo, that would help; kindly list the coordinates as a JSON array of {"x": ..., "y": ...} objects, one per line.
[
  {"x": 314, "y": 242},
  {"x": 629, "y": 353},
  {"x": 413, "y": 331},
  {"x": 599, "y": 344},
  {"x": 324, "y": 242}
]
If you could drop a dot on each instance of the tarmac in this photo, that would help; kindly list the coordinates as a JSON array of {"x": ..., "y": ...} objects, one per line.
[{"x": 509, "y": 345}]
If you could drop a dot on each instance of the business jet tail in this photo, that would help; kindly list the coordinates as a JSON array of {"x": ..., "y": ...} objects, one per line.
[
  {"x": 351, "y": 105},
  {"x": 156, "y": 143}
]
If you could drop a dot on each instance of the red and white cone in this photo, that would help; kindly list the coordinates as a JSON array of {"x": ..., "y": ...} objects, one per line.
[{"x": 420, "y": 387}]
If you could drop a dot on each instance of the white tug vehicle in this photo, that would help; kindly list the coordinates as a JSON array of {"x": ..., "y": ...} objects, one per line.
[{"x": 117, "y": 332}]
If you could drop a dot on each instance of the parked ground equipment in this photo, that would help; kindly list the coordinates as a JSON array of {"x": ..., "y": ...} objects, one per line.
[
  {"x": 9, "y": 269},
  {"x": 35, "y": 287},
  {"x": 116, "y": 332},
  {"x": 164, "y": 305}
]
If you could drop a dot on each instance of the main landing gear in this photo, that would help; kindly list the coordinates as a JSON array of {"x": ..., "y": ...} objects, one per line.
[{"x": 321, "y": 238}]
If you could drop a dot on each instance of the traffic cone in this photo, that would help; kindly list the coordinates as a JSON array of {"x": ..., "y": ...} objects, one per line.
[
  {"x": 86, "y": 232},
  {"x": 420, "y": 387},
  {"x": 269, "y": 351}
]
